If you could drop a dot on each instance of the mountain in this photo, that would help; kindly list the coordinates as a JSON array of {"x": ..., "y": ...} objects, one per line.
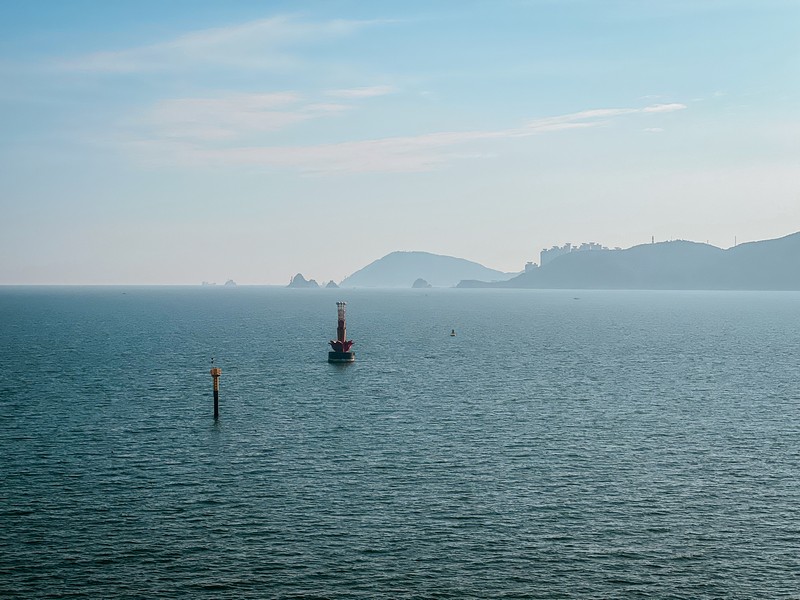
[
  {"x": 401, "y": 269},
  {"x": 678, "y": 265}
]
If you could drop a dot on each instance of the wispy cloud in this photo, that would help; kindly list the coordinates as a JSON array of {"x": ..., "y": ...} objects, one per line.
[
  {"x": 587, "y": 118},
  {"x": 664, "y": 108},
  {"x": 362, "y": 92},
  {"x": 231, "y": 117},
  {"x": 258, "y": 44},
  {"x": 189, "y": 129}
]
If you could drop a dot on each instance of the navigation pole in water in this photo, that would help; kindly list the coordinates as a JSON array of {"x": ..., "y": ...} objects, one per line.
[
  {"x": 341, "y": 345},
  {"x": 215, "y": 373}
]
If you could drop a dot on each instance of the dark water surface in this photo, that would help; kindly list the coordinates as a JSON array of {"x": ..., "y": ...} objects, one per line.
[{"x": 619, "y": 445}]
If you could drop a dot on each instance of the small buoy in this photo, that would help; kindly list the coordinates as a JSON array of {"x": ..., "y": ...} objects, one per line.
[{"x": 452, "y": 333}]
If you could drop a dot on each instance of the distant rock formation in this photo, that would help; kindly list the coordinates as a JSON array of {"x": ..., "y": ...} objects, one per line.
[
  {"x": 676, "y": 265},
  {"x": 420, "y": 283},
  {"x": 298, "y": 281},
  {"x": 230, "y": 283},
  {"x": 400, "y": 269},
  {"x": 331, "y": 285}
]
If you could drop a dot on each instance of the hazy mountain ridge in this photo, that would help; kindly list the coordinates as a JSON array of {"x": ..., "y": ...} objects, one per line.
[
  {"x": 401, "y": 269},
  {"x": 764, "y": 265}
]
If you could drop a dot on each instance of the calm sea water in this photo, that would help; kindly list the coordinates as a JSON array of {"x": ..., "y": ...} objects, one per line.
[{"x": 562, "y": 445}]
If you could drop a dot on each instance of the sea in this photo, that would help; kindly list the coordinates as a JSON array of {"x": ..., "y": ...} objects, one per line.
[{"x": 563, "y": 444}]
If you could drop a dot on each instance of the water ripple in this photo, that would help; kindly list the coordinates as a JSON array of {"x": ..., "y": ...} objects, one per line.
[{"x": 631, "y": 445}]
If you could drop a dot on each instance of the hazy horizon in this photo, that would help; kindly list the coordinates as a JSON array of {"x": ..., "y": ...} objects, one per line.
[
  {"x": 151, "y": 143},
  {"x": 322, "y": 282}
]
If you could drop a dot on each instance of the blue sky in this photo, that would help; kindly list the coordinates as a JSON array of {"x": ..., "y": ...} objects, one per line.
[{"x": 175, "y": 142}]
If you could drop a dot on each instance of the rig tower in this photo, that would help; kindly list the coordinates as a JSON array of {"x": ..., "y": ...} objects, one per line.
[{"x": 341, "y": 345}]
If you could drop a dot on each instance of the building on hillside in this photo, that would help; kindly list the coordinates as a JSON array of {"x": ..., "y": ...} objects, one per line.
[{"x": 548, "y": 254}]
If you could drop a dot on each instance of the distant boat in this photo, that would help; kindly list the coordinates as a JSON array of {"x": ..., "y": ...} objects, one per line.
[{"x": 452, "y": 333}]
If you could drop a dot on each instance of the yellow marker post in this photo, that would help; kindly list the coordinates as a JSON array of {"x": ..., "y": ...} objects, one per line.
[{"x": 215, "y": 373}]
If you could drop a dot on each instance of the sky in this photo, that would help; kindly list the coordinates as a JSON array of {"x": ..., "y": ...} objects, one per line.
[{"x": 151, "y": 142}]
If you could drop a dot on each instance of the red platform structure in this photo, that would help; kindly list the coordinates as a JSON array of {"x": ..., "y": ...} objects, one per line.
[{"x": 341, "y": 345}]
